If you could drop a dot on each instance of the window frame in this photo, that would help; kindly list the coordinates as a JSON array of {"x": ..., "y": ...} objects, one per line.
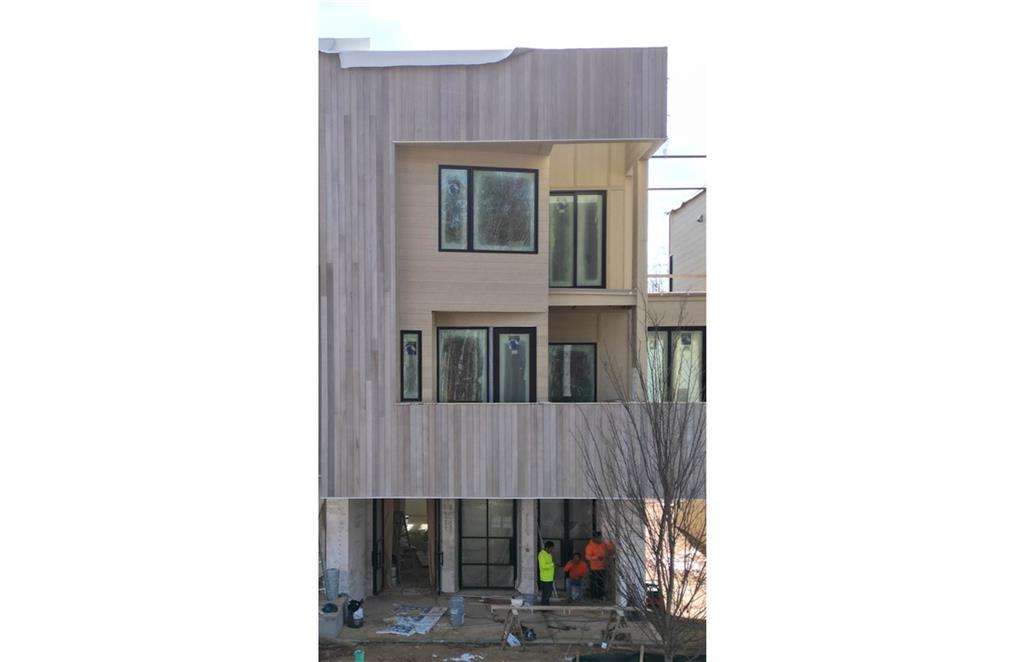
[
  {"x": 560, "y": 400},
  {"x": 575, "y": 241},
  {"x": 419, "y": 365},
  {"x": 495, "y": 388},
  {"x": 470, "y": 214},
  {"x": 437, "y": 363},
  {"x": 668, "y": 357}
]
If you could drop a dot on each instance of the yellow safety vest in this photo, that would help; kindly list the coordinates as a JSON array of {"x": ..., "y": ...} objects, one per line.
[{"x": 547, "y": 566}]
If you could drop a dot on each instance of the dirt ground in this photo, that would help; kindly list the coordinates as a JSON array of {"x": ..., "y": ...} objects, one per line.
[
  {"x": 431, "y": 652},
  {"x": 559, "y": 635}
]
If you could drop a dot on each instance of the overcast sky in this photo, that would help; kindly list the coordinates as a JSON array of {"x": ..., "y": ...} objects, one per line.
[{"x": 429, "y": 26}]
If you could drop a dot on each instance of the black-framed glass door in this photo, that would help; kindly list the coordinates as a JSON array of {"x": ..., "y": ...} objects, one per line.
[
  {"x": 515, "y": 364},
  {"x": 568, "y": 523},
  {"x": 487, "y": 544}
]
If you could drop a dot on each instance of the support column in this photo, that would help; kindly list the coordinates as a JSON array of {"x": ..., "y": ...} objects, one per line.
[
  {"x": 449, "y": 545},
  {"x": 527, "y": 553},
  {"x": 347, "y": 544},
  {"x": 627, "y": 551}
]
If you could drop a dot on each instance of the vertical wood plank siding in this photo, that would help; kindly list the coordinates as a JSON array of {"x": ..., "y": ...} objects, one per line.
[{"x": 370, "y": 445}]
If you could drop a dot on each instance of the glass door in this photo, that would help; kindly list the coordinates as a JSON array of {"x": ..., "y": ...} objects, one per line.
[
  {"x": 515, "y": 364},
  {"x": 488, "y": 543}
]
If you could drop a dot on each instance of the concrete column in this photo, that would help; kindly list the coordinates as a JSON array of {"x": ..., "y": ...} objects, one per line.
[
  {"x": 348, "y": 544},
  {"x": 626, "y": 551},
  {"x": 527, "y": 580},
  {"x": 449, "y": 545}
]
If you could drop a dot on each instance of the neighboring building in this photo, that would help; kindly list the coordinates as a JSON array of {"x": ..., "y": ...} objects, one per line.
[
  {"x": 687, "y": 244},
  {"x": 482, "y": 252}
]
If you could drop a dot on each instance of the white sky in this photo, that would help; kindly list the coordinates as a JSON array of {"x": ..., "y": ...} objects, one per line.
[{"x": 677, "y": 25}]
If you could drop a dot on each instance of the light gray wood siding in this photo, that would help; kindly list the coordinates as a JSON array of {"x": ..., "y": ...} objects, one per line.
[{"x": 371, "y": 446}]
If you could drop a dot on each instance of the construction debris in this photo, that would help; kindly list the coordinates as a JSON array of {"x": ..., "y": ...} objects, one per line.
[{"x": 408, "y": 620}]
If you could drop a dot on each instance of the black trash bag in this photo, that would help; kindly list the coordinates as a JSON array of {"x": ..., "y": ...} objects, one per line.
[{"x": 329, "y": 608}]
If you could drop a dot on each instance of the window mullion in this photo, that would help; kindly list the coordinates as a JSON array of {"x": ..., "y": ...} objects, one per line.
[{"x": 469, "y": 210}]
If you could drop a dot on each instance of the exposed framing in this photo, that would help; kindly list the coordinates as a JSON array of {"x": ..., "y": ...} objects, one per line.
[
  {"x": 470, "y": 213},
  {"x": 575, "y": 240},
  {"x": 437, "y": 360},
  {"x": 556, "y": 344},
  {"x": 522, "y": 330},
  {"x": 513, "y": 546},
  {"x": 703, "y": 355},
  {"x": 419, "y": 365}
]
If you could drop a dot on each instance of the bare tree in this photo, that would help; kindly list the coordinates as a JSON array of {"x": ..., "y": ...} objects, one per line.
[{"x": 644, "y": 459}]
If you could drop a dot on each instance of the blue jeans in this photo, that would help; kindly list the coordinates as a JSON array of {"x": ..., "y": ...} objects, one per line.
[{"x": 575, "y": 589}]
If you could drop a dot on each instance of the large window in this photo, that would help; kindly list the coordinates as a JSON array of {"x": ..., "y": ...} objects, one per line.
[
  {"x": 487, "y": 209},
  {"x": 577, "y": 232},
  {"x": 572, "y": 372},
  {"x": 676, "y": 364},
  {"x": 412, "y": 364},
  {"x": 488, "y": 543},
  {"x": 463, "y": 373}
]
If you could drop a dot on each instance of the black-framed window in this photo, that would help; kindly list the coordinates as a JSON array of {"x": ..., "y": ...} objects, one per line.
[
  {"x": 572, "y": 372},
  {"x": 569, "y": 524},
  {"x": 676, "y": 362},
  {"x": 412, "y": 366},
  {"x": 515, "y": 364},
  {"x": 671, "y": 270},
  {"x": 487, "y": 543},
  {"x": 578, "y": 229},
  {"x": 462, "y": 364},
  {"x": 489, "y": 210}
]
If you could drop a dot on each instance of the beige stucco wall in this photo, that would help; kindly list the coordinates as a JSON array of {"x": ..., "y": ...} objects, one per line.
[
  {"x": 609, "y": 328},
  {"x": 602, "y": 167},
  {"x": 675, "y": 310},
  {"x": 436, "y": 288}
]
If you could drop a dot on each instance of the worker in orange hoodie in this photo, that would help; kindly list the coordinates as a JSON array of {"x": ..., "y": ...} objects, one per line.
[
  {"x": 576, "y": 571},
  {"x": 598, "y": 552}
]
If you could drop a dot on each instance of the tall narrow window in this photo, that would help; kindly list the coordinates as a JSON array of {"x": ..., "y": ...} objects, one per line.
[
  {"x": 454, "y": 209},
  {"x": 412, "y": 365},
  {"x": 491, "y": 210},
  {"x": 515, "y": 357},
  {"x": 577, "y": 228},
  {"x": 572, "y": 372},
  {"x": 561, "y": 219},
  {"x": 675, "y": 361},
  {"x": 462, "y": 365}
]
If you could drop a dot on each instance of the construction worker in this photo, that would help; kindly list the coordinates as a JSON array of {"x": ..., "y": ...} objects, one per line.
[
  {"x": 598, "y": 553},
  {"x": 576, "y": 570},
  {"x": 546, "y": 566}
]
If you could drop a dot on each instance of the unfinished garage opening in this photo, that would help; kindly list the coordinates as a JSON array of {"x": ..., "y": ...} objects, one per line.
[{"x": 405, "y": 540}]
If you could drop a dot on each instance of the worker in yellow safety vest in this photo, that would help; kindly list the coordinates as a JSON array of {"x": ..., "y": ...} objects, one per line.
[{"x": 546, "y": 565}]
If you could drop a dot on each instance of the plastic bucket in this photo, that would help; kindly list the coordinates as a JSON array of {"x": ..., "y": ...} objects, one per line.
[
  {"x": 457, "y": 608},
  {"x": 331, "y": 583}
]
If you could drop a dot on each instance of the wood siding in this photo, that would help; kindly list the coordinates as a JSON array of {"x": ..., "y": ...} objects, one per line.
[{"x": 370, "y": 445}]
